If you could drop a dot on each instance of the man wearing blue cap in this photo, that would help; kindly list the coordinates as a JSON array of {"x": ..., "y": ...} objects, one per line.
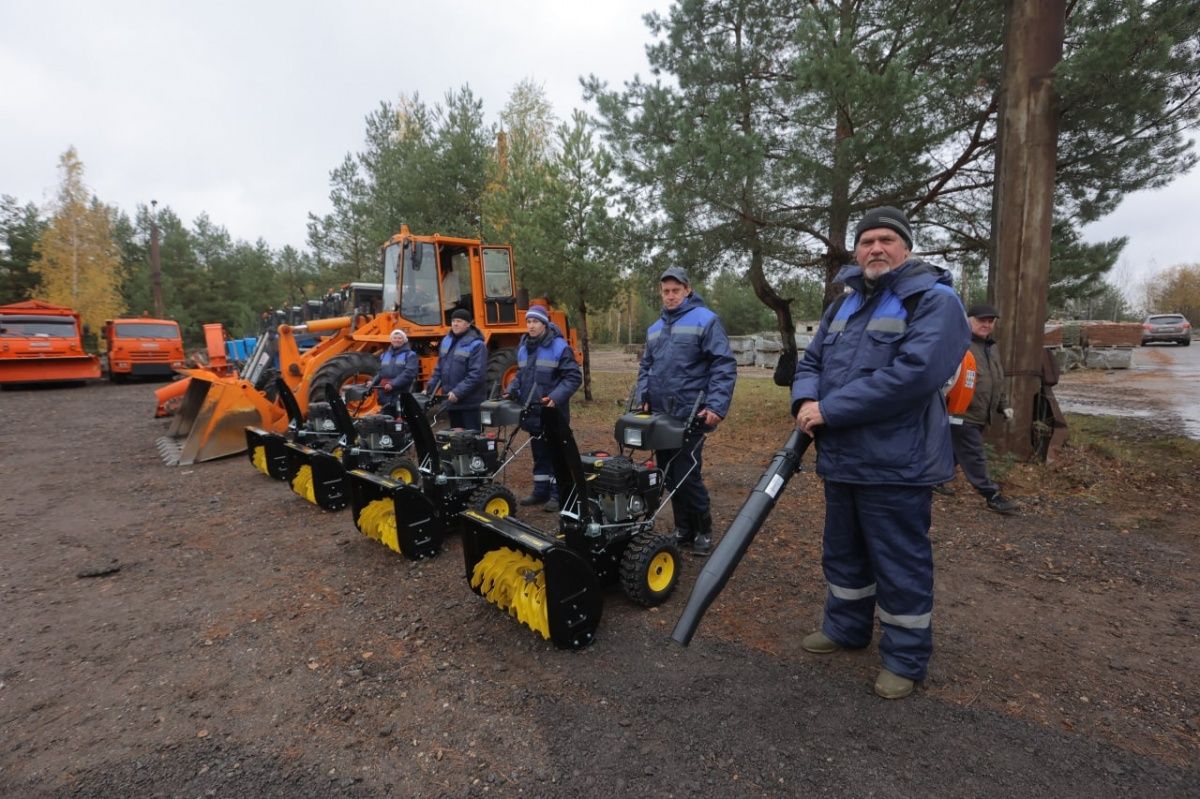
[
  {"x": 687, "y": 354},
  {"x": 546, "y": 366}
]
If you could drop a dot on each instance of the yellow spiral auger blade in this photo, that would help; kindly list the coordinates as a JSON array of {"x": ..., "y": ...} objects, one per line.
[
  {"x": 378, "y": 521},
  {"x": 514, "y": 582},
  {"x": 260, "y": 460},
  {"x": 302, "y": 484}
]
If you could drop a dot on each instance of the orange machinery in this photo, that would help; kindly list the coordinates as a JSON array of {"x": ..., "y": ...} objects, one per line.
[
  {"x": 43, "y": 343},
  {"x": 142, "y": 347}
]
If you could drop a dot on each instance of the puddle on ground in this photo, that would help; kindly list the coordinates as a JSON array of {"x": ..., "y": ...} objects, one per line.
[{"x": 1103, "y": 410}]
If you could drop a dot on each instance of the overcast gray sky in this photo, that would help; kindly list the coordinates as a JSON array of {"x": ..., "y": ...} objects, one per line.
[{"x": 241, "y": 109}]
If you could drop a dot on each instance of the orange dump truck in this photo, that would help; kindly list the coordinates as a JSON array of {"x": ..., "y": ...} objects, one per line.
[
  {"x": 43, "y": 343},
  {"x": 142, "y": 347}
]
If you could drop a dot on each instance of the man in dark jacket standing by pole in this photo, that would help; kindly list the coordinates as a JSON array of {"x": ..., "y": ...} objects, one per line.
[
  {"x": 546, "y": 365},
  {"x": 462, "y": 370},
  {"x": 990, "y": 400},
  {"x": 868, "y": 390},
  {"x": 687, "y": 354}
]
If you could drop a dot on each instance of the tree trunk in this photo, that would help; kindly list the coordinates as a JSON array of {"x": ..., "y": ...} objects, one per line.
[
  {"x": 1023, "y": 204},
  {"x": 586, "y": 347},
  {"x": 769, "y": 297}
]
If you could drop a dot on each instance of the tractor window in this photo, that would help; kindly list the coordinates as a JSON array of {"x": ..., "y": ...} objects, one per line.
[
  {"x": 419, "y": 285},
  {"x": 497, "y": 273},
  {"x": 145, "y": 330},
  {"x": 44, "y": 327}
]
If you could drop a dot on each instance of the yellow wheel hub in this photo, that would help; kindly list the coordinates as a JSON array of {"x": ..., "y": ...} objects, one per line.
[
  {"x": 401, "y": 474},
  {"x": 515, "y": 582},
  {"x": 661, "y": 572},
  {"x": 498, "y": 506}
]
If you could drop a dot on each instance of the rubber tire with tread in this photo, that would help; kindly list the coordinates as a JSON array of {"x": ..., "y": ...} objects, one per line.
[
  {"x": 339, "y": 370},
  {"x": 485, "y": 494},
  {"x": 389, "y": 469},
  {"x": 639, "y": 554},
  {"x": 500, "y": 362}
]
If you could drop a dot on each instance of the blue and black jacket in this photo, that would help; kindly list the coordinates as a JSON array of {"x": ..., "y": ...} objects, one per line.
[
  {"x": 878, "y": 370},
  {"x": 398, "y": 367},
  {"x": 462, "y": 368},
  {"x": 549, "y": 364},
  {"x": 687, "y": 352}
]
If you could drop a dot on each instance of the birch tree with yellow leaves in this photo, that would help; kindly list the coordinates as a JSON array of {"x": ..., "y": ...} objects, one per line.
[{"x": 76, "y": 256}]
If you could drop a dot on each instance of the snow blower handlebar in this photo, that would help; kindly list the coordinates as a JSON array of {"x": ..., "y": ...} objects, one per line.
[{"x": 736, "y": 541}]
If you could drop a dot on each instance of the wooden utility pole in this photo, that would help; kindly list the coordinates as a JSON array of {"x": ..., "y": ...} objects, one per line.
[
  {"x": 155, "y": 267},
  {"x": 1023, "y": 203}
]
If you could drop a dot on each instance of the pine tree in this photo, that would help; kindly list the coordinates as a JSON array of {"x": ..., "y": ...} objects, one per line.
[
  {"x": 79, "y": 264},
  {"x": 20, "y": 228}
]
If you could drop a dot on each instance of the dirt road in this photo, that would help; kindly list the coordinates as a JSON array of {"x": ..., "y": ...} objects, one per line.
[{"x": 235, "y": 641}]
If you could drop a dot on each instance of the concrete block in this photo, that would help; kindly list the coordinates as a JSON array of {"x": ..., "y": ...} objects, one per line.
[{"x": 1108, "y": 358}]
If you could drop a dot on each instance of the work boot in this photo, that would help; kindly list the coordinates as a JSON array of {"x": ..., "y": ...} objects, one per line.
[
  {"x": 943, "y": 489},
  {"x": 1001, "y": 504},
  {"x": 702, "y": 524},
  {"x": 893, "y": 686},
  {"x": 819, "y": 644},
  {"x": 551, "y": 506}
]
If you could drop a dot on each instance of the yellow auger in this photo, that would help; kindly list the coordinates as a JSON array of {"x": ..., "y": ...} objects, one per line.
[
  {"x": 302, "y": 483},
  {"x": 378, "y": 521},
  {"x": 260, "y": 459},
  {"x": 515, "y": 582}
]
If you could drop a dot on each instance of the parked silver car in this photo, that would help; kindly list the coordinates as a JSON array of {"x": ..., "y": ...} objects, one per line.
[{"x": 1167, "y": 327}]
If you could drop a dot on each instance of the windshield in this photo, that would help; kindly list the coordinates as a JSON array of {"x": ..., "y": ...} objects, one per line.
[
  {"x": 29, "y": 327},
  {"x": 497, "y": 273},
  {"x": 419, "y": 285},
  {"x": 145, "y": 330},
  {"x": 1174, "y": 319}
]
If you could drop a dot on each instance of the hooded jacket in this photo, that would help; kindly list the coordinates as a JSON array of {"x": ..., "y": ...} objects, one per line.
[
  {"x": 549, "y": 364},
  {"x": 877, "y": 372},
  {"x": 687, "y": 352},
  {"x": 462, "y": 368}
]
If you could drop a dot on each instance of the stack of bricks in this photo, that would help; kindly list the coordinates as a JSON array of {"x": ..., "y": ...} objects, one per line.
[{"x": 1112, "y": 334}]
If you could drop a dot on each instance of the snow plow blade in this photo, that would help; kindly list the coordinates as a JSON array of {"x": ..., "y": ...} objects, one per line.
[
  {"x": 213, "y": 417},
  {"x": 318, "y": 476},
  {"x": 50, "y": 369},
  {"x": 533, "y": 576},
  {"x": 396, "y": 514}
]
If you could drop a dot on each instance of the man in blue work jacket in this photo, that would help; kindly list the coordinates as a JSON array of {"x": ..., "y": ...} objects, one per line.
[
  {"x": 461, "y": 371},
  {"x": 868, "y": 391},
  {"x": 687, "y": 353},
  {"x": 546, "y": 366}
]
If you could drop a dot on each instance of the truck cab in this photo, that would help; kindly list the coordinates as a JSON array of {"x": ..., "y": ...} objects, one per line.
[{"x": 142, "y": 347}]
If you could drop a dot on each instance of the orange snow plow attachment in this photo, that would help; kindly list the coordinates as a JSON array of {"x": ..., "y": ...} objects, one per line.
[{"x": 212, "y": 419}]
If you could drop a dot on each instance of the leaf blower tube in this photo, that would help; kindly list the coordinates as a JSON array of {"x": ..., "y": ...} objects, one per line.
[{"x": 736, "y": 541}]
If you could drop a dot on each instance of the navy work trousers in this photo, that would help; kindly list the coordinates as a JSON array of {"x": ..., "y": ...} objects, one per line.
[
  {"x": 692, "y": 496},
  {"x": 877, "y": 558}
]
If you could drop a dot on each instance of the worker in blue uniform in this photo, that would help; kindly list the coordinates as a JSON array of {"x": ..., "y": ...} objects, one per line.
[{"x": 868, "y": 390}]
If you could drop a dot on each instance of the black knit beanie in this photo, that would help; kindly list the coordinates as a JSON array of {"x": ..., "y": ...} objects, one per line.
[{"x": 888, "y": 217}]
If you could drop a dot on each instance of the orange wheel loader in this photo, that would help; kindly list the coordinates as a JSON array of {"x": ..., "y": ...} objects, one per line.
[{"x": 425, "y": 279}]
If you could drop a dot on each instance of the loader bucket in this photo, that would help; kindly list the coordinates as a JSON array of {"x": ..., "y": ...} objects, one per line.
[
  {"x": 212, "y": 419},
  {"x": 534, "y": 576},
  {"x": 318, "y": 476},
  {"x": 398, "y": 515},
  {"x": 268, "y": 453}
]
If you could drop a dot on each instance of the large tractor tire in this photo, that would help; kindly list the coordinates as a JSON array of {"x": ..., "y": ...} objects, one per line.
[
  {"x": 341, "y": 372},
  {"x": 501, "y": 368}
]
